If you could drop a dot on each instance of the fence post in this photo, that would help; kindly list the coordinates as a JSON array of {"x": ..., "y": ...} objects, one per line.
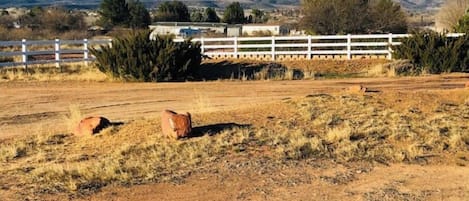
[
  {"x": 273, "y": 49},
  {"x": 85, "y": 51},
  {"x": 390, "y": 47},
  {"x": 309, "y": 47},
  {"x": 235, "y": 43},
  {"x": 24, "y": 55},
  {"x": 57, "y": 53},
  {"x": 349, "y": 46}
]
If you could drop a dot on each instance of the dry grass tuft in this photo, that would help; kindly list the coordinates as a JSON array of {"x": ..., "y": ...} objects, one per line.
[
  {"x": 382, "y": 70},
  {"x": 73, "y": 117},
  {"x": 201, "y": 102}
]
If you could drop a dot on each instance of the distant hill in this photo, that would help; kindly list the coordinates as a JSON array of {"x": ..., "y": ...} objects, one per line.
[{"x": 93, "y": 4}]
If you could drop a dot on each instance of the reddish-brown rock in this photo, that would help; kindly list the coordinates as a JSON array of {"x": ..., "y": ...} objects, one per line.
[
  {"x": 91, "y": 125},
  {"x": 175, "y": 125},
  {"x": 467, "y": 84}
]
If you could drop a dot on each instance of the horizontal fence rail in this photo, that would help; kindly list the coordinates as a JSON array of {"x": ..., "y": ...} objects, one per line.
[
  {"x": 302, "y": 47},
  {"x": 25, "y": 52}
]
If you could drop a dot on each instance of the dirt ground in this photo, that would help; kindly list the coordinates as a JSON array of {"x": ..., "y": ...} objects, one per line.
[
  {"x": 308, "y": 182},
  {"x": 27, "y": 107}
]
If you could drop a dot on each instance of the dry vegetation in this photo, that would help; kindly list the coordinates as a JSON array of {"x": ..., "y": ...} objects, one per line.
[
  {"x": 424, "y": 128},
  {"x": 294, "y": 70},
  {"x": 224, "y": 70},
  {"x": 68, "y": 72}
]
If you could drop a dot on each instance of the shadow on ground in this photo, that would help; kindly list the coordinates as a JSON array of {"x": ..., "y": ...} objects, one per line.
[
  {"x": 105, "y": 125},
  {"x": 244, "y": 70},
  {"x": 215, "y": 129}
]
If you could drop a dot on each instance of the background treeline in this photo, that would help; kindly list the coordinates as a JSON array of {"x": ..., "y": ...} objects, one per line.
[
  {"x": 353, "y": 16},
  {"x": 43, "y": 23},
  {"x": 320, "y": 17}
]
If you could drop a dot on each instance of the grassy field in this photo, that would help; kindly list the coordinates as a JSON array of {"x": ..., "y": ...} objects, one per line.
[
  {"x": 404, "y": 139},
  {"x": 427, "y": 128}
]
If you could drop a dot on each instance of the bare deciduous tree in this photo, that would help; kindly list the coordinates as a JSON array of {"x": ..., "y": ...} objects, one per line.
[{"x": 450, "y": 13}]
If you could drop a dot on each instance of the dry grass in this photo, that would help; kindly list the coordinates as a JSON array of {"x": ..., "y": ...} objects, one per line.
[
  {"x": 340, "y": 127},
  {"x": 73, "y": 72},
  {"x": 335, "y": 66},
  {"x": 242, "y": 69},
  {"x": 73, "y": 117},
  {"x": 381, "y": 70},
  {"x": 201, "y": 103}
]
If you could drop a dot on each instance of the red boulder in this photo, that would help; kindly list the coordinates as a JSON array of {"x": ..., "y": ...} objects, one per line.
[
  {"x": 91, "y": 125},
  {"x": 175, "y": 125}
]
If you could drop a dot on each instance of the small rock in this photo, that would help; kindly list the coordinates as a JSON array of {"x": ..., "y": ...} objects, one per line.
[{"x": 91, "y": 125}]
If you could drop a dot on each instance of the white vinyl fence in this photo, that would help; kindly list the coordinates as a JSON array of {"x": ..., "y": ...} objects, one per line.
[
  {"x": 24, "y": 53},
  {"x": 302, "y": 47}
]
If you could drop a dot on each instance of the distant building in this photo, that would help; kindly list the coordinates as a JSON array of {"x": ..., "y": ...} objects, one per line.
[
  {"x": 189, "y": 32},
  {"x": 187, "y": 29},
  {"x": 174, "y": 28},
  {"x": 234, "y": 30},
  {"x": 264, "y": 29}
]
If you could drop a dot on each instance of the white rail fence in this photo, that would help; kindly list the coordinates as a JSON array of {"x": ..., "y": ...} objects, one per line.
[
  {"x": 303, "y": 47},
  {"x": 24, "y": 53}
]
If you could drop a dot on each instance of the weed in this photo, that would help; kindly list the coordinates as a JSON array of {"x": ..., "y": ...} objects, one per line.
[{"x": 73, "y": 117}]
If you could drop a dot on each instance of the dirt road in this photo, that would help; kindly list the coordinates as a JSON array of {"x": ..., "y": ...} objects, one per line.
[{"x": 27, "y": 107}]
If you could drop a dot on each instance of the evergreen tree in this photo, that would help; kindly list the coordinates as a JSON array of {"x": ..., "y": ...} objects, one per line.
[
  {"x": 136, "y": 57},
  {"x": 387, "y": 17},
  {"x": 258, "y": 16},
  {"x": 211, "y": 15},
  {"x": 234, "y": 14},
  {"x": 174, "y": 11},
  {"x": 197, "y": 16},
  {"x": 139, "y": 15},
  {"x": 114, "y": 13}
]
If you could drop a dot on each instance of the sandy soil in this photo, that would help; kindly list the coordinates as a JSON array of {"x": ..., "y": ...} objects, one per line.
[{"x": 26, "y": 107}]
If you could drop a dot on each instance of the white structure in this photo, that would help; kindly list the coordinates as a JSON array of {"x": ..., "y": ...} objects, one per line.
[
  {"x": 167, "y": 28},
  {"x": 255, "y": 29},
  {"x": 234, "y": 30}
]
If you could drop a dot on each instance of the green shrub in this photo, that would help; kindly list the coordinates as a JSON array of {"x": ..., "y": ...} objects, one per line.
[
  {"x": 135, "y": 57},
  {"x": 432, "y": 52}
]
